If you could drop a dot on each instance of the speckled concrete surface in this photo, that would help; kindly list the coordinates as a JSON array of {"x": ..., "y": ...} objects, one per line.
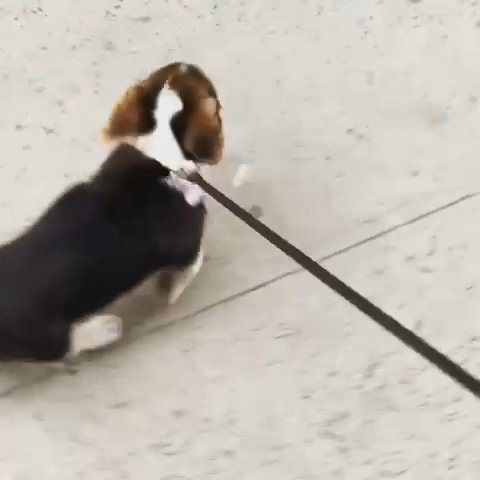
[
  {"x": 261, "y": 388},
  {"x": 357, "y": 117},
  {"x": 427, "y": 276}
]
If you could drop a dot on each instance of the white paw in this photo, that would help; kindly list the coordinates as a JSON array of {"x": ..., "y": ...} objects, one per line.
[
  {"x": 104, "y": 330},
  {"x": 184, "y": 278},
  {"x": 96, "y": 332},
  {"x": 177, "y": 289}
]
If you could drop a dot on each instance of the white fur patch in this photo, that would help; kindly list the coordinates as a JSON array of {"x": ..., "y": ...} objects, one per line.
[
  {"x": 94, "y": 333},
  {"x": 193, "y": 194},
  {"x": 161, "y": 144}
]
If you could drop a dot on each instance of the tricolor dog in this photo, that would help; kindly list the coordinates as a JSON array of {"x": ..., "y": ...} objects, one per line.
[{"x": 96, "y": 242}]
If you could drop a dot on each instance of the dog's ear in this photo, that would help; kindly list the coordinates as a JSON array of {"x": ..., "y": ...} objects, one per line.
[
  {"x": 208, "y": 106},
  {"x": 130, "y": 116},
  {"x": 203, "y": 133}
]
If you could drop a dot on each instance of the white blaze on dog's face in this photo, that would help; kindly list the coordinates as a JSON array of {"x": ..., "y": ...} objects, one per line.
[{"x": 161, "y": 143}]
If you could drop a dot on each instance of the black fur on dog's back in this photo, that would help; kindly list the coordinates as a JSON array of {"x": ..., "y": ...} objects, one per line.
[{"x": 97, "y": 241}]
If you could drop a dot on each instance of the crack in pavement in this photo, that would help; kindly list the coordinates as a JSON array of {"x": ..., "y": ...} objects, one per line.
[
  {"x": 47, "y": 375},
  {"x": 325, "y": 258}
]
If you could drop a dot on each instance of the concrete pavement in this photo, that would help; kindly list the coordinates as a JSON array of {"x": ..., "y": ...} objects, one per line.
[{"x": 358, "y": 118}]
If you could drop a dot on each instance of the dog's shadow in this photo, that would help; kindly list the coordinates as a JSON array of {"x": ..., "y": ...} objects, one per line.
[
  {"x": 144, "y": 302},
  {"x": 140, "y": 309}
]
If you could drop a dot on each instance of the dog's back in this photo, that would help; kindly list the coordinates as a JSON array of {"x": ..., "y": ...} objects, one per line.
[{"x": 97, "y": 241}]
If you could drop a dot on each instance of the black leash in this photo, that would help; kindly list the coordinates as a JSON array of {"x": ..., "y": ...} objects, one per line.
[{"x": 406, "y": 336}]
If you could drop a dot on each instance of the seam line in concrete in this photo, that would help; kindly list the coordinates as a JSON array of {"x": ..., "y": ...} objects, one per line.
[
  {"x": 266, "y": 283},
  {"x": 336, "y": 253}
]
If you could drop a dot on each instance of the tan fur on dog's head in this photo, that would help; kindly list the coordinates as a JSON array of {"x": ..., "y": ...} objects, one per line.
[{"x": 198, "y": 127}]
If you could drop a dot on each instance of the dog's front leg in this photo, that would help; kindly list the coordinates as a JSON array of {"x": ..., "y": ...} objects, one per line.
[{"x": 183, "y": 278}]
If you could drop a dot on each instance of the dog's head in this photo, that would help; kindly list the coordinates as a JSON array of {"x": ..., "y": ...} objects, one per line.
[{"x": 198, "y": 126}]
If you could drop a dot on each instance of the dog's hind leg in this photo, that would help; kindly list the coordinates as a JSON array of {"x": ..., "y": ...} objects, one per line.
[
  {"x": 94, "y": 333},
  {"x": 183, "y": 278}
]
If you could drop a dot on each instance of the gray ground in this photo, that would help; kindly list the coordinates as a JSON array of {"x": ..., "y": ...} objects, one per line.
[{"x": 358, "y": 116}]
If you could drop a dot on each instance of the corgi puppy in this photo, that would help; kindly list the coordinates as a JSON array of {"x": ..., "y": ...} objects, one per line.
[
  {"x": 96, "y": 242},
  {"x": 198, "y": 127}
]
